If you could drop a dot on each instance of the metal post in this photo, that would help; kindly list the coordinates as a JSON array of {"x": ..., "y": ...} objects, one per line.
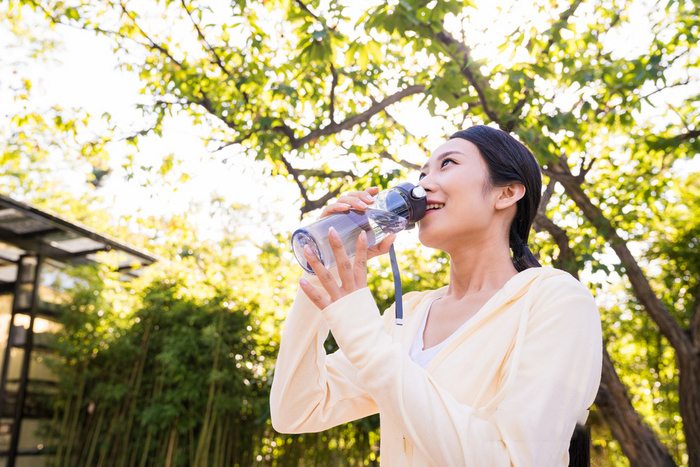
[
  {"x": 24, "y": 374},
  {"x": 10, "y": 336}
]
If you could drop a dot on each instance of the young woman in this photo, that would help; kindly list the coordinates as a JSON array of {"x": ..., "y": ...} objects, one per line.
[{"x": 494, "y": 369}]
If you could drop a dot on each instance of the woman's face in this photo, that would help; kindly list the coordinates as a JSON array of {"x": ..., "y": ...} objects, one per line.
[{"x": 460, "y": 199}]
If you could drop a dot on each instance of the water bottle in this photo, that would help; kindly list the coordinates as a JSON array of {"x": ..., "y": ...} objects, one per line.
[{"x": 393, "y": 210}]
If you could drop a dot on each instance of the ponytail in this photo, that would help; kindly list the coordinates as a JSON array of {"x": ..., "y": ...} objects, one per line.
[{"x": 522, "y": 256}]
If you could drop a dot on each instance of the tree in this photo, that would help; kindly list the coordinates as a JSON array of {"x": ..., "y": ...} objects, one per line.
[{"x": 610, "y": 112}]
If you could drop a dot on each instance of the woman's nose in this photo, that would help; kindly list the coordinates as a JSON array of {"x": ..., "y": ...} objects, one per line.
[{"x": 427, "y": 183}]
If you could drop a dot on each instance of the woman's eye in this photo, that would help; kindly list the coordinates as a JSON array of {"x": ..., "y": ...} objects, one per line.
[
  {"x": 445, "y": 161},
  {"x": 421, "y": 176}
]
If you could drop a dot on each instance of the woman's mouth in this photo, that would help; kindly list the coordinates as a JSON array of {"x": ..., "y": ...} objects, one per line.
[{"x": 434, "y": 206}]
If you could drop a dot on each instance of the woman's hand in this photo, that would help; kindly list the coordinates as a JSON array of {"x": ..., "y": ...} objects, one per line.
[
  {"x": 353, "y": 273},
  {"x": 359, "y": 200}
]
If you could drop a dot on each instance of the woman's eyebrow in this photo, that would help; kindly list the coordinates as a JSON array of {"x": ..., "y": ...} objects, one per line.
[{"x": 440, "y": 158}]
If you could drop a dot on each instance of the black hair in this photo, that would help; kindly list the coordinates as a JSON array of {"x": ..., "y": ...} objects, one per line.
[{"x": 508, "y": 160}]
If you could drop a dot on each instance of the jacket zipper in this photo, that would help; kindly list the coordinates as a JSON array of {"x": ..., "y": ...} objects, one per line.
[{"x": 407, "y": 452}]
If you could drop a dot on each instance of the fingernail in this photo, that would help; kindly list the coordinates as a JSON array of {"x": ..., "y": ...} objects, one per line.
[
  {"x": 368, "y": 198},
  {"x": 332, "y": 233},
  {"x": 307, "y": 250},
  {"x": 362, "y": 204},
  {"x": 303, "y": 282},
  {"x": 363, "y": 235}
]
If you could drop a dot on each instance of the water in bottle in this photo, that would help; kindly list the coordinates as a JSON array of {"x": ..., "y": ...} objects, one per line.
[{"x": 393, "y": 210}]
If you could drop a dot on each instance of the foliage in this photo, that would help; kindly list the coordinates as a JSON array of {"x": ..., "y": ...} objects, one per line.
[
  {"x": 180, "y": 373},
  {"x": 319, "y": 93},
  {"x": 174, "y": 368}
]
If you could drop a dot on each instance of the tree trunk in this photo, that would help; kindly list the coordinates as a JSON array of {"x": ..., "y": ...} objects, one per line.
[
  {"x": 637, "y": 441},
  {"x": 689, "y": 403}
]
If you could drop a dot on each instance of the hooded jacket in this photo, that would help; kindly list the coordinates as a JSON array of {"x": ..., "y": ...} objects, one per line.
[{"x": 508, "y": 389}]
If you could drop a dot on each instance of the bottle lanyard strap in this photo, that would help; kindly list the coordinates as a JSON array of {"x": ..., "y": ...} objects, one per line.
[{"x": 397, "y": 285}]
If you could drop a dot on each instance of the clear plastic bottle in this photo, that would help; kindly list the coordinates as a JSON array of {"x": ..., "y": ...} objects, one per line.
[{"x": 393, "y": 210}]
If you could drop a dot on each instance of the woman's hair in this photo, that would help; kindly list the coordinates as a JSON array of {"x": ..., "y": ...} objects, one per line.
[{"x": 509, "y": 161}]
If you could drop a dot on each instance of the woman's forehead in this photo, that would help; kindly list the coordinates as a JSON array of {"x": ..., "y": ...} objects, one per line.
[{"x": 457, "y": 146}]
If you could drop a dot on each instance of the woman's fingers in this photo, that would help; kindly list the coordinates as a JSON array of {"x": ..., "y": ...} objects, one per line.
[
  {"x": 335, "y": 207},
  {"x": 324, "y": 276},
  {"x": 381, "y": 248},
  {"x": 316, "y": 297},
  {"x": 360, "y": 267},
  {"x": 359, "y": 200},
  {"x": 353, "y": 274},
  {"x": 341, "y": 259}
]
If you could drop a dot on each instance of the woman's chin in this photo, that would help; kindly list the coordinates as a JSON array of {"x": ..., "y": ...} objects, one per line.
[{"x": 426, "y": 239}]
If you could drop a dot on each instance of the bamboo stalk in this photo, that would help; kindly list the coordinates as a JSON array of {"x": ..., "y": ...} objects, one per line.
[
  {"x": 220, "y": 442},
  {"x": 204, "y": 442},
  {"x": 226, "y": 440},
  {"x": 192, "y": 447},
  {"x": 76, "y": 416},
  {"x": 95, "y": 439},
  {"x": 61, "y": 446},
  {"x": 235, "y": 437},
  {"x": 132, "y": 409},
  {"x": 171, "y": 446},
  {"x": 52, "y": 436},
  {"x": 144, "y": 455},
  {"x": 108, "y": 438},
  {"x": 157, "y": 390},
  {"x": 127, "y": 400},
  {"x": 91, "y": 431}
]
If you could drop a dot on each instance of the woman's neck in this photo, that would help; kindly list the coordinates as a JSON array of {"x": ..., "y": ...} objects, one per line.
[{"x": 479, "y": 268}]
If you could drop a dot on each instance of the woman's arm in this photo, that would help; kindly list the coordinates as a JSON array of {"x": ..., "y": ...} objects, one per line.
[
  {"x": 555, "y": 379},
  {"x": 311, "y": 391}
]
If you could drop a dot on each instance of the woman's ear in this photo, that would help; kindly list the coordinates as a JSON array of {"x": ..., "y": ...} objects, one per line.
[{"x": 509, "y": 195}]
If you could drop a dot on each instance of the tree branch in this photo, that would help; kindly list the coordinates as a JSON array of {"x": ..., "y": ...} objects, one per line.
[
  {"x": 453, "y": 46},
  {"x": 312, "y": 205},
  {"x": 297, "y": 180},
  {"x": 668, "y": 326},
  {"x": 546, "y": 196},
  {"x": 408, "y": 165},
  {"x": 217, "y": 60},
  {"x": 566, "y": 259},
  {"x": 515, "y": 113},
  {"x": 401, "y": 162},
  {"x": 153, "y": 44},
  {"x": 306, "y": 9},
  {"x": 333, "y": 128},
  {"x": 309, "y": 204},
  {"x": 334, "y": 84},
  {"x": 584, "y": 169}
]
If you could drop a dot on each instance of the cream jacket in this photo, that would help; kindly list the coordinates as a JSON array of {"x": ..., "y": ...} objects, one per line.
[{"x": 507, "y": 390}]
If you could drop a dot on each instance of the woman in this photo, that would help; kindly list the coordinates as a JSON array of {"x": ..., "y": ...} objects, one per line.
[{"x": 494, "y": 369}]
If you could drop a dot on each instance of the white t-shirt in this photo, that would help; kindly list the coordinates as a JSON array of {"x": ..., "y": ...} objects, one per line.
[{"x": 422, "y": 356}]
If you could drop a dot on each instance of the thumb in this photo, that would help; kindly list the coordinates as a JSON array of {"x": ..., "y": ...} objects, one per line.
[{"x": 381, "y": 248}]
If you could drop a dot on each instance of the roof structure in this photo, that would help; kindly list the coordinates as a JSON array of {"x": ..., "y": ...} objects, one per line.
[{"x": 25, "y": 228}]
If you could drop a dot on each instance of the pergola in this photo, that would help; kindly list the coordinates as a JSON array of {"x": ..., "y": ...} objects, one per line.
[{"x": 31, "y": 241}]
